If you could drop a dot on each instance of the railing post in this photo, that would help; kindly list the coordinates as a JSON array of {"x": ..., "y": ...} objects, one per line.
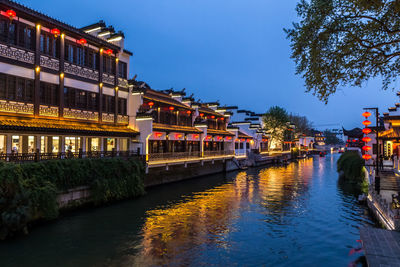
[
  {"x": 80, "y": 153},
  {"x": 37, "y": 155}
]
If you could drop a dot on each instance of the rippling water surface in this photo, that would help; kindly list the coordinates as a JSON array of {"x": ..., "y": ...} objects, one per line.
[{"x": 298, "y": 215}]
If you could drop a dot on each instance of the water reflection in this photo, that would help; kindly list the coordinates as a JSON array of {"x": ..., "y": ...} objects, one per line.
[
  {"x": 180, "y": 233},
  {"x": 295, "y": 215}
]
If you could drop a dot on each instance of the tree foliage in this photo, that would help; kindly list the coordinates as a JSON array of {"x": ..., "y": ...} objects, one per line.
[
  {"x": 345, "y": 43},
  {"x": 302, "y": 124},
  {"x": 275, "y": 123},
  {"x": 331, "y": 138},
  {"x": 29, "y": 191}
]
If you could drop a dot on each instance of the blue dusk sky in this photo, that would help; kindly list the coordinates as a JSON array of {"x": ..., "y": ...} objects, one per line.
[{"x": 234, "y": 51}]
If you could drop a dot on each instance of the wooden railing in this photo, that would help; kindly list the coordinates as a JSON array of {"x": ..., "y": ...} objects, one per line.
[{"x": 28, "y": 157}]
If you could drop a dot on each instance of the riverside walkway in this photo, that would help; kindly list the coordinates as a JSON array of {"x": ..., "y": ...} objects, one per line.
[{"x": 381, "y": 247}]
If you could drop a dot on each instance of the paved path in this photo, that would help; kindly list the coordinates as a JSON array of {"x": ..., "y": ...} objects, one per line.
[
  {"x": 381, "y": 247},
  {"x": 389, "y": 181}
]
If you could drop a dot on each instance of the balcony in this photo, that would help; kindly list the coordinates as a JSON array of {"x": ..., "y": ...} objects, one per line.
[
  {"x": 81, "y": 71},
  {"x": 16, "y": 107},
  {"x": 50, "y": 63},
  {"x": 17, "y": 54}
]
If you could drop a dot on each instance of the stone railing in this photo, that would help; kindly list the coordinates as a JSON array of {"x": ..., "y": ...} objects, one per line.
[
  {"x": 17, "y": 54},
  {"x": 108, "y": 78},
  {"x": 50, "y": 63},
  {"x": 123, "y": 119},
  {"x": 81, "y": 114},
  {"x": 388, "y": 216},
  {"x": 16, "y": 107},
  {"x": 107, "y": 117},
  {"x": 219, "y": 153},
  {"x": 123, "y": 83},
  {"x": 81, "y": 71},
  {"x": 188, "y": 155},
  {"x": 174, "y": 155},
  {"x": 48, "y": 111}
]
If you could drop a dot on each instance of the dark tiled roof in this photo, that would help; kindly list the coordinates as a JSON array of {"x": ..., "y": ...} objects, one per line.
[
  {"x": 40, "y": 17},
  {"x": 56, "y": 126},
  {"x": 243, "y": 135},
  {"x": 163, "y": 98},
  {"x": 207, "y": 110},
  {"x": 174, "y": 128},
  {"x": 219, "y": 132}
]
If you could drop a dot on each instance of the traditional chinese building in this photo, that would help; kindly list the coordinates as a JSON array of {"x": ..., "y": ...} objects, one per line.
[{"x": 62, "y": 89}]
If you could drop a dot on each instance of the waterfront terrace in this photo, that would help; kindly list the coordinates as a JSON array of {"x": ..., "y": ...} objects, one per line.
[{"x": 62, "y": 89}]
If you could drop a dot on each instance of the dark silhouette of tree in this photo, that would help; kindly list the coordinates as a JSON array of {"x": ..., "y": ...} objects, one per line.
[{"x": 345, "y": 43}]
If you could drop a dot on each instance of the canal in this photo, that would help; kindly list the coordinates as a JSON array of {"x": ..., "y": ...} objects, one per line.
[{"x": 296, "y": 215}]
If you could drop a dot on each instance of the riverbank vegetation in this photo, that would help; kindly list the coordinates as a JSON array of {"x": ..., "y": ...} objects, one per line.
[
  {"x": 350, "y": 165},
  {"x": 28, "y": 192}
]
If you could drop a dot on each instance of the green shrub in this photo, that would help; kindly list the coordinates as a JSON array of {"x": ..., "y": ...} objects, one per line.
[
  {"x": 29, "y": 191},
  {"x": 352, "y": 166}
]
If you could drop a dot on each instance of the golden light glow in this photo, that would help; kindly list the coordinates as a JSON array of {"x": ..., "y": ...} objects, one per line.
[
  {"x": 208, "y": 217},
  {"x": 101, "y": 50},
  {"x": 38, "y": 27},
  {"x": 116, "y": 59},
  {"x": 37, "y": 69},
  {"x": 62, "y": 35},
  {"x": 101, "y": 85},
  {"x": 116, "y": 88},
  {"x": 62, "y": 75}
]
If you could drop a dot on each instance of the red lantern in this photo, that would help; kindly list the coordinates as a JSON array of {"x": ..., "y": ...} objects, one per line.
[
  {"x": 366, "y": 130},
  {"x": 82, "y": 41},
  {"x": 158, "y": 134},
  {"x": 354, "y": 140},
  {"x": 188, "y": 112},
  {"x": 151, "y": 104},
  {"x": 11, "y": 13},
  {"x": 201, "y": 114},
  {"x": 212, "y": 117},
  {"x": 171, "y": 108},
  {"x": 366, "y": 139},
  {"x": 109, "y": 51},
  {"x": 366, "y": 148},
  {"x": 196, "y": 136},
  {"x": 367, "y": 156},
  {"x": 366, "y": 122},
  {"x": 56, "y": 32},
  {"x": 366, "y": 114}
]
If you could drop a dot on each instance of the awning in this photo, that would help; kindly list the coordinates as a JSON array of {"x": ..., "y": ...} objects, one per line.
[
  {"x": 175, "y": 128},
  {"x": 392, "y": 133},
  {"x": 56, "y": 126}
]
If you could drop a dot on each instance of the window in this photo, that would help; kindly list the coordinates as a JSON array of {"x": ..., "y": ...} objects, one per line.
[
  {"x": 16, "y": 88},
  {"x": 93, "y": 101},
  {"x": 49, "y": 45},
  {"x": 108, "y": 104},
  {"x": 82, "y": 99},
  {"x": 122, "y": 70},
  {"x": 82, "y": 56},
  {"x": 17, "y": 33},
  {"x": 48, "y": 94},
  {"x": 122, "y": 106},
  {"x": 108, "y": 64}
]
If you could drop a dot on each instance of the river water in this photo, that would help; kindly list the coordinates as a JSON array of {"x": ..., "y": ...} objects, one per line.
[{"x": 296, "y": 215}]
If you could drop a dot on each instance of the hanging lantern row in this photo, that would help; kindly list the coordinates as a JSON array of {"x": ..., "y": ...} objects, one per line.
[{"x": 366, "y": 139}]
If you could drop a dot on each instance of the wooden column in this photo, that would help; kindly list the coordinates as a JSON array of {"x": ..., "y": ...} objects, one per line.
[
  {"x": 101, "y": 86},
  {"x": 61, "y": 70},
  {"x": 116, "y": 90},
  {"x": 36, "y": 98}
]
